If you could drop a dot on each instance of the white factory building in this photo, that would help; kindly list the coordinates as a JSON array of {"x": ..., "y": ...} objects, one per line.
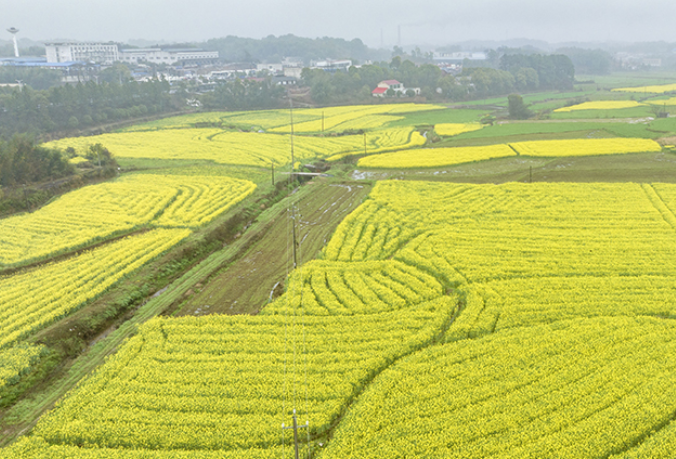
[
  {"x": 168, "y": 56},
  {"x": 109, "y": 53},
  {"x": 100, "y": 53}
]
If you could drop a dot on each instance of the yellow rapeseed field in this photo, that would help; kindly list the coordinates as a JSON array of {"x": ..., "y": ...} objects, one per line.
[
  {"x": 435, "y": 157},
  {"x": 585, "y": 147},
  {"x": 569, "y": 287},
  {"x": 657, "y": 89},
  {"x": 601, "y": 105},
  {"x": 450, "y": 129},
  {"x": 97, "y": 212},
  {"x": 241, "y": 148},
  {"x": 32, "y": 299},
  {"x": 336, "y": 119}
]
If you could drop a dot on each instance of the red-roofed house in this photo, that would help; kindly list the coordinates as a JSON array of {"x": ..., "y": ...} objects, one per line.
[
  {"x": 383, "y": 86},
  {"x": 394, "y": 85}
]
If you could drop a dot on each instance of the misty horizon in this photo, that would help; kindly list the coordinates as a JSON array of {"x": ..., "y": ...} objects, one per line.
[{"x": 379, "y": 24}]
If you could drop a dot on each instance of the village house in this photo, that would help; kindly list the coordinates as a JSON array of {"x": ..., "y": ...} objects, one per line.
[{"x": 396, "y": 86}]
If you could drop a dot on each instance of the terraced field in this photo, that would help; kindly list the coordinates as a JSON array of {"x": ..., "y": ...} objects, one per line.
[
  {"x": 521, "y": 320},
  {"x": 561, "y": 291}
]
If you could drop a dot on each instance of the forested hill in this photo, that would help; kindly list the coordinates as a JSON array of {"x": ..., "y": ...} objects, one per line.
[{"x": 274, "y": 49}]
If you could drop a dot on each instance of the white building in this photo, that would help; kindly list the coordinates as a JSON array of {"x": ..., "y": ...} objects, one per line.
[
  {"x": 169, "y": 56},
  {"x": 109, "y": 53},
  {"x": 272, "y": 68},
  {"x": 331, "y": 65},
  {"x": 100, "y": 53},
  {"x": 457, "y": 58}
]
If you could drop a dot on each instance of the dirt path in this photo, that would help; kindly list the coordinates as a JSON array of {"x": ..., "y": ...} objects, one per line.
[{"x": 244, "y": 286}]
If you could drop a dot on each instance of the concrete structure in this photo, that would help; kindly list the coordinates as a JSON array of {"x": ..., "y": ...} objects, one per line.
[
  {"x": 272, "y": 68},
  {"x": 636, "y": 61},
  {"x": 98, "y": 53},
  {"x": 14, "y": 31},
  {"x": 294, "y": 72},
  {"x": 331, "y": 65},
  {"x": 169, "y": 56}
]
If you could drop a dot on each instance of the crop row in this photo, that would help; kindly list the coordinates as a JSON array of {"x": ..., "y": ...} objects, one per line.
[
  {"x": 17, "y": 360},
  {"x": 37, "y": 297},
  {"x": 97, "y": 212},
  {"x": 438, "y": 157},
  {"x": 656, "y": 89},
  {"x": 330, "y": 288},
  {"x": 581, "y": 388},
  {"x": 354, "y": 117},
  {"x": 335, "y": 118},
  {"x": 242, "y": 148},
  {"x": 225, "y": 382},
  {"x": 557, "y": 281},
  {"x": 601, "y": 105},
  {"x": 451, "y": 129}
]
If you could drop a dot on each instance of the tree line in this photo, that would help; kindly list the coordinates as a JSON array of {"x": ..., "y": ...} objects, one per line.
[
  {"x": 515, "y": 73},
  {"x": 71, "y": 107},
  {"x": 274, "y": 49},
  {"x": 22, "y": 162}
]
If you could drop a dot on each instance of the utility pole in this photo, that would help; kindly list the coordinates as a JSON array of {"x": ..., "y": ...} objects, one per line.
[
  {"x": 293, "y": 160},
  {"x": 293, "y": 235},
  {"x": 295, "y": 428},
  {"x": 273, "y": 172},
  {"x": 364, "y": 144}
]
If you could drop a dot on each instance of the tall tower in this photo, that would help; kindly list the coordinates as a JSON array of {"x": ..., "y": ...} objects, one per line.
[{"x": 14, "y": 31}]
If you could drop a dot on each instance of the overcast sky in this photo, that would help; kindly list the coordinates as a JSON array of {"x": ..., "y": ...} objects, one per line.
[{"x": 435, "y": 22}]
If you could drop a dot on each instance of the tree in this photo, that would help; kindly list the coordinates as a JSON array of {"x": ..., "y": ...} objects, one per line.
[
  {"x": 517, "y": 109},
  {"x": 526, "y": 79},
  {"x": 589, "y": 61},
  {"x": 396, "y": 62},
  {"x": 554, "y": 72},
  {"x": 117, "y": 73}
]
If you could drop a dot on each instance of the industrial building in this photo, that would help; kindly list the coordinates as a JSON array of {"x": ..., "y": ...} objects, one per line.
[
  {"x": 98, "y": 53},
  {"x": 169, "y": 56},
  {"x": 109, "y": 53}
]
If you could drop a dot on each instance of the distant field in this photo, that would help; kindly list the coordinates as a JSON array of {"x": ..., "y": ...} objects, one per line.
[
  {"x": 240, "y": 148},
  {"x": 633, "y": 112},
  {"x": 657, "y": 89},
  {"x": 314, "y": 120},
  {"x": 600, "y": 105},
  {"x": 439, "y": 157},
  {"x": 435, "y": 157},
  {"x": 629, "y": 79}
]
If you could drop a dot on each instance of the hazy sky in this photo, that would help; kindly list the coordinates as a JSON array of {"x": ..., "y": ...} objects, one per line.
[{"x": 422, "y": 21}]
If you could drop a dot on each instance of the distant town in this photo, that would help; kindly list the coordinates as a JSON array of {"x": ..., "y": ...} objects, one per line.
[{"x": 83, "y": 61}]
